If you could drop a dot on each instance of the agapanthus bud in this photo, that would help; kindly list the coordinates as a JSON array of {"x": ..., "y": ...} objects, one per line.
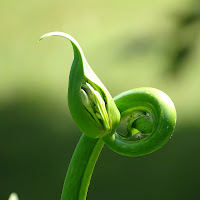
[{"x": 90, "y": 103}]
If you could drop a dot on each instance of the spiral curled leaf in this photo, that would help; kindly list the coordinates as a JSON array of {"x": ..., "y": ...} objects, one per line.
[{"x": 151, "y": 123}]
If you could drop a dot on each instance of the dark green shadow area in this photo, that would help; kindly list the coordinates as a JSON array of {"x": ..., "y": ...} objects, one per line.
[
  {"x": 37, "y": 142},
  {"x": 35, "y": 148}
]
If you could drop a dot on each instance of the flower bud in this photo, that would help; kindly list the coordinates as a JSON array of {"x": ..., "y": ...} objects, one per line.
[{"x": 90, "y": 103}]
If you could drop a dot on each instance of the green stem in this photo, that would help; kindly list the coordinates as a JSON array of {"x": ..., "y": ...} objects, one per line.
[{"x": 81, "y": 167}]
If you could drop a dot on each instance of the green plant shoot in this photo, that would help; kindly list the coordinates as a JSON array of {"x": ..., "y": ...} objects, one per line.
[{"x": 150, "y": 115}]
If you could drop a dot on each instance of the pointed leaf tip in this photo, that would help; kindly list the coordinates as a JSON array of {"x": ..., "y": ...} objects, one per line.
[{"x": 65, "y": 35}]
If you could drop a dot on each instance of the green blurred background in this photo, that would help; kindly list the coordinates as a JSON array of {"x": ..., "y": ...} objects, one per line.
[{"x": 128, "y": 44}]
